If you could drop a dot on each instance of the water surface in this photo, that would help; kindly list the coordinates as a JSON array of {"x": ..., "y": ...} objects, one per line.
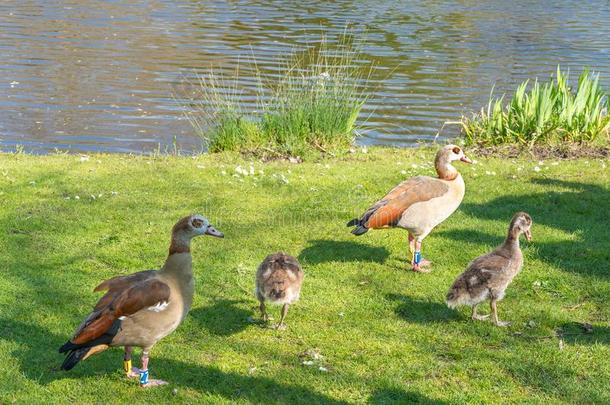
[{"x": 102, "y": 75}]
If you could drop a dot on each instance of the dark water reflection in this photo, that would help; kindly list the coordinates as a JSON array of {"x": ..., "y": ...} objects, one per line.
[{"x": 100, "y": 75}]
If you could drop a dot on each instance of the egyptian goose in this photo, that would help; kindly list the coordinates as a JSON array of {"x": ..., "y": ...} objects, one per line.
[
  {"x": 418, "y": 204},
  {"x": 278, "y": 280},
  {"x": 141, "y": 308},
  {"x": 487, "y": 276}
]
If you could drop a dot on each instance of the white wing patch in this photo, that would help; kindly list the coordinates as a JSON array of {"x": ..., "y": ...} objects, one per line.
[{"x": 160, "y": 306}]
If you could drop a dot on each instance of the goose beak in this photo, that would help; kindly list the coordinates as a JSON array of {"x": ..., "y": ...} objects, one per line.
[
  {"x": 465, "y": 159},
  {"x": 528, "y": 235},
  {"x": 214, "y": 232}
]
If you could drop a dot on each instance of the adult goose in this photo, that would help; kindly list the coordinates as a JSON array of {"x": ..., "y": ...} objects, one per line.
[
  {"x": 141, "y": 308},
  {"x": 418, "y": 204},
  {"x": 488, "y": 276}
]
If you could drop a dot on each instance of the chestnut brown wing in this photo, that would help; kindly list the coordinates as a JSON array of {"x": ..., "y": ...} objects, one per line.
[
  {"x": 387, "y": 211},
  {"x": 118, "y": 302}
]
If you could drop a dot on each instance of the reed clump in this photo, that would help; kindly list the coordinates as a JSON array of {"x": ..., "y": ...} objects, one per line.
[
  {"x": 544, "y": 113},
  {"x": 311, "y": 103}
]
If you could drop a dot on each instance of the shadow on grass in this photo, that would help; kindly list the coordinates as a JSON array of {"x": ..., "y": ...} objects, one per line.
[
  {"x": 39, "y": 361},
  {"x": 322, "y": 251},
  {"x": 573, "y": 333},
  {"x": 223, "y": 318},
  {"x": 398, "y": 396},
  {"x": 582, "y": 211},
  {"x": 421, "y": 311}
]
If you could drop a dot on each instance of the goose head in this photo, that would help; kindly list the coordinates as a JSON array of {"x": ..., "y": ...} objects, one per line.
[
  {"x": 521, "y": 224},
  {"x": 189, "y": 227},
  {"x": 451, "y": 153},
  {"x": 444, "y": 157}
]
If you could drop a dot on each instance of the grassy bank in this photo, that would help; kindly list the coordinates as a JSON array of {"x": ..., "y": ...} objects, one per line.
[{"x": 384, "y": 332}]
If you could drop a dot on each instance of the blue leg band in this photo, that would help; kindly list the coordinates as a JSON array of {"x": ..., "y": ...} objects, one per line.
[
  {"x": 143, "y": 377},
  {"x": 417, "y": 257}
]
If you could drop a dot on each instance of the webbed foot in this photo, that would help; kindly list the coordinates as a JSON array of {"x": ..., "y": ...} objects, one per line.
[{"x": 153, "y": 383}]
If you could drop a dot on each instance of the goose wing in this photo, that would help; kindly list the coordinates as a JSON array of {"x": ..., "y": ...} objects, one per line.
[
  {"x": 387, "y": 211},
  {"x": 125, "y": 297}
]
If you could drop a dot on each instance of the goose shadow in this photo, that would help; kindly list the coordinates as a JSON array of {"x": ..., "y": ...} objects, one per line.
[
  {"x": 323, "y": 251},
  {"x": 581, "y": 210},
  {"x": 385, "y": 396},
  {"x": 37, "y": 358},
  {"x": 223, "y": 318},
  {"x": 574, "y": 333},
  {"x": 418, "y": 311}
]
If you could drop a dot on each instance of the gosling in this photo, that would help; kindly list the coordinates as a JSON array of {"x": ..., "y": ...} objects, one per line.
[
  {"x": 278, "y": 280},
  {"x": 487, "y": 276}
]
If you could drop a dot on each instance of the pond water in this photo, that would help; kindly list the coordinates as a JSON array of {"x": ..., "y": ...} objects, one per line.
[{"x": 92, "y": 75}]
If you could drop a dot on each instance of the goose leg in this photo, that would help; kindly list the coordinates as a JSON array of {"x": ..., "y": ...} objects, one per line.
[
  {"x": 130, "y": 372},
  {"x": 476, "y": 316},
  {"x": 263, "y": 310},
  {"x": 282, "y": 325},
  {"x": 418, "y": 262},
  {"x": 146, "y": 382},
  {"x": 494, "y": 314},
  {"x": 411, "y": 245}
]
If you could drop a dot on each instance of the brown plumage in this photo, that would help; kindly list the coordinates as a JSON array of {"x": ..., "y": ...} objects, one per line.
[
  {"x": 141, "y": 308},
  {"x": 278, "y": 280},
  {"x": 487, "y": 276},
  {"x": 418, "y": 204}
]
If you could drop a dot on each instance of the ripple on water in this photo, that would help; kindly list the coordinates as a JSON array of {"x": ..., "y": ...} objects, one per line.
[{"x": 91, "y": 75}]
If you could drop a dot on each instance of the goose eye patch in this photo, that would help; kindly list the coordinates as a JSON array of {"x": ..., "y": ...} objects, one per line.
[
  {"x": 197, "y": 223},
  {"x": 456, "y": 150}
]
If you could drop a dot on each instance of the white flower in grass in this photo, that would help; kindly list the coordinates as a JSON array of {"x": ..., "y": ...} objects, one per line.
[
  {"x": 403, "y": 172},
  {"x": 537, "y": 168}
]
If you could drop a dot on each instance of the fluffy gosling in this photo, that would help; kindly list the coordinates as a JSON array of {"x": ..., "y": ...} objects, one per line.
[
  {"x": 278, "y": 280},
  {"x": 487, "y": 276}
]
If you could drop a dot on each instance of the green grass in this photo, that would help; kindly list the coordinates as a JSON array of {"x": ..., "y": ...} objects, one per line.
[
  {"x": 310, "y": 104},
  {"x": 385, "y": 333},
  {"x": 544, "y": 113}
]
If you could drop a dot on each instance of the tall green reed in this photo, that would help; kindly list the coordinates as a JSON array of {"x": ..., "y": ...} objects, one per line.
[
  {"x": 550, "y": 112},
  {"x": 311, "y": 103}
]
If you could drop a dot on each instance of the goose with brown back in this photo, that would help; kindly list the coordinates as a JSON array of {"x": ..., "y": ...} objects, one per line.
[
  {"x": 140, "y": 309},
  {"x": 487, "y": 276},
  {"x": 418, "y": 204}
]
